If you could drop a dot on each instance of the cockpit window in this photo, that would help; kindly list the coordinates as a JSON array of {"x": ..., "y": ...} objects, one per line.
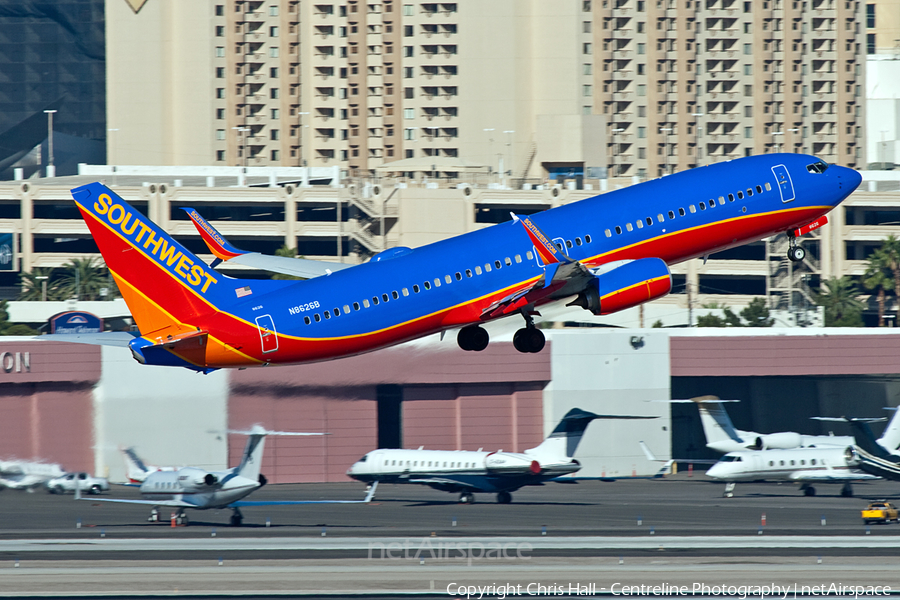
[
  {"x": 730, "y": 458},
  {"x": 363, "y": 459},
  {"x": 817, "y": 167}
]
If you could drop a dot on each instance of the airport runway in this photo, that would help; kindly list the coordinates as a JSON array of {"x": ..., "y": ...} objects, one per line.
[{"x": 676, "y": 531}]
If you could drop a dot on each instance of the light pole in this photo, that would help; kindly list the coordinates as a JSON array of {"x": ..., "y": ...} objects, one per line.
[
  {"x": 616, "y": 150},
  {"x": 509, "y": 167},
  {"x": 883, "y": 149},
  {"x": 51, "y": 170},
  {"x": 698, "y": 129},
  {"x": 490, "y": 151},
  {"x": 43, "y": 280},
  {"x": 666, "y": 130},
  {"x": 302, "y": 139},
  {"x": 241, "y": 139}
]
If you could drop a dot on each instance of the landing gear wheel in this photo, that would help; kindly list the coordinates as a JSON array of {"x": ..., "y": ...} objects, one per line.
[
  {"x": 847, "y": 491},
  {"x": 809, "y": 491},
  {"x": 154, "y": 516},
  {"x": 181, "y": 519},
  {"x": 796, "y": 253},
  {"x": 467, "y": 498},
  {"x": 237, "y": 518},
  {"x": 729, "y": 490},
  {"x": 504, "y": 497},
  {"x": 529, "y": 340},
  {"x": 473, "y": 338}
]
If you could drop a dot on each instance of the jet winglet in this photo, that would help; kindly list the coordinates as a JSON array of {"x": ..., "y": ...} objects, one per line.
[{"x": 216, "y": 243}]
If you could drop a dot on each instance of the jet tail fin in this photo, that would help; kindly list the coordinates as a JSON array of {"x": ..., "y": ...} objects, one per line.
[
  {"x": 564, "y": 439},
  {"x": 251, "y": 461},
  {"x": 717, "y": 426},
  {"x": 135, "y": 469},
  {"x": 890, "y": 439}
]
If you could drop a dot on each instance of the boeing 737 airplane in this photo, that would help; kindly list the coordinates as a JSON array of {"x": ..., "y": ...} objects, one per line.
[
  {"x": 190, "y": 487},
  {"x": 603, "y": 254},
  {"x": 466, "y": 472},
  {"x": 722, "y": 436}
]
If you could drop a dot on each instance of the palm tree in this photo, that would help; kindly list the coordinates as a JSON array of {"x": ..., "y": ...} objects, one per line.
[
  {"x": 876, "y": 278},
  {"x": 290, "y": 253},
  {"x": 890, "y": 249},
  {"x": 83, "y": 278},
  {"x": 839, "y": 297},
  {"x": 33, "y": 285}
]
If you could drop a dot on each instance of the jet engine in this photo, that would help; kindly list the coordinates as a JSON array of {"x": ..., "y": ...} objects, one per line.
[
  {"x": 502, "y": 462},
  {"x": 778, "y": 441},
  {"x": 852, "y": 456},
  {"x": 196, "y": 480},
  {"x": 624, "y": 284}
]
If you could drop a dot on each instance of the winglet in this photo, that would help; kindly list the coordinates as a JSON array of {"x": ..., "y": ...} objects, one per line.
[
  {"x": 548, "y": 252},
  {"x": 647, "y": 452},
  {"x": 216, "y": 243}
]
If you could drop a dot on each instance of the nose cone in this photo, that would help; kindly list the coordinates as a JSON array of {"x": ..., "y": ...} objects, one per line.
[
  {"x": 848, "y": 180},
  {"x": 717, "y": 471},
  {"x": 355, "y": 469}
]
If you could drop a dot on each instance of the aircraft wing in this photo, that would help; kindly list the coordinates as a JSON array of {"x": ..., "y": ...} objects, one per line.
[
  {"x": 225, "y": 252},
  {"x": 172, "y": 503},
  {"x": 106, "y": 338},
  {"x": 366, "y": 500},
  {"x": 832, "y": 475}
]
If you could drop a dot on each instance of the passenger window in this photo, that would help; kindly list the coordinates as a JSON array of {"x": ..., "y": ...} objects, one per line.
[
  {"x": 375, "y": 300},
  {"x": 447, "y": 278},
  {"x": 702, "y": 206},
  {"x": 529, "y": 255},
  {"x": 802, "y": 462},
  {"x": 749, "y": 192},
  {"x": 427, "y": 285},
  {"x": 608, "y": 233},
  {"x": 618, "y": 229},
  {"x": 458, "y": 276},
  {"x": 671, "y": 214},
  {"x": 437, "y": 282},
  {"x": 792, "y": 462},
  {"x": 660, "y": 218},
  {"x": 587, "y": 238},
  {"x": 478, "y": 269},
  {"x": 327, "y": 314},
  {"x": 405, "y": 292},
  {"x": 768, "y": 187},
  {"x": 812, "y": 462},
  {"x": 487, "y": 267},
  {"x": 681, "y": 212},
  {"x": 569, "y": 244},
  {"x": 578, "y": 241},
  {"x": 337, "y": 312},
  {"x": 731, "y": 197},
  {"x": 497, "y": 264},
  {"x": 395, "y": 295},
  {"x": 721, "y": 199},
  {"x": 559, "y": 246},
  {"x": 385, "y": 297},
  {"x": 507, "y": 261},
  {"x": 518, "y": 258},
  {"x": 365, "y": 303},
  {"x": 771, "y": 463},
  {"x": 629, "y": 227},
  {"x": 356, "y": 306},
  {"x": 317, "y": 317},
  {"x": 740, "y": 195},
  {"x": 306, "y": 320},
  {"x": 468, "y": 272},
  {"x": 640, "y": 224},
  {"x": 759, "y": 189},
  {"x": 415, "y": 288},
  {"x": 346, "y": 309},
  {"x": 692, "y": 208},
  {"x": 781, "y": 463},
  {"x": 649, "y": 221}
]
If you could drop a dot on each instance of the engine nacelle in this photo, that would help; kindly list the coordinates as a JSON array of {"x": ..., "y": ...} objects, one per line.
[
  {"x": 502, "y": 462},
  {"x": 852, "y": 456},
  {"x": 196, "y": 480},
  {"x": 625, "y": 284},
  {"x": 778, "y": 441}
]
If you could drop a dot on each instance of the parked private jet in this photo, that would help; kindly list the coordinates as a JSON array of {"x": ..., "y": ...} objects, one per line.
[
  {"x": 466, "y": 472},
  {"x": 603, "y": 254},
  {"x": 873, "y": 456},
  {"x": 191, "y": 487},
  {"x": 136, "y": 470},
  {"x": 27, "y": 474}
]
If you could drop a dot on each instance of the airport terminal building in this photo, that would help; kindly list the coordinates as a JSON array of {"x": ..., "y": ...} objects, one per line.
[{"x": 78, "y": 404}]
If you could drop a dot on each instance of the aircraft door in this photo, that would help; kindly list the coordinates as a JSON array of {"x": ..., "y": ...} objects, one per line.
[
  {"x": 785, "y": 185},
  {"x": 267, "y": 334}
]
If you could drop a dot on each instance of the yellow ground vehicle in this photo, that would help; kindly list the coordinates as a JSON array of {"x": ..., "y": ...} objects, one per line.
[{"x": 880, "y": 512}]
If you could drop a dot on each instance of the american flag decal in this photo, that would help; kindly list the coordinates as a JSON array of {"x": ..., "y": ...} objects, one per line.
[{"x": 244, "y": 291}]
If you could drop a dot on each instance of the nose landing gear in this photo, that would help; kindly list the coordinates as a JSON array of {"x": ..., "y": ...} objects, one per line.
[{"x": 795, "y": 252}]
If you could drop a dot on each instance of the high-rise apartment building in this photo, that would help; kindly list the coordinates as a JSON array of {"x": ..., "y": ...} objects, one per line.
[
  {"x": 883, "y": 27},
  {"x": 684, "y": 82},
  {"x": 523, "y": 88}
]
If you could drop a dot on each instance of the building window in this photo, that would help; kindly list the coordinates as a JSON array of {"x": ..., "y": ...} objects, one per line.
[
  {"x": 220, "y": 155},
  {"x": 273, "y": 72},
  {"x": 641, "y": 48},
  {"x": 409, "y": 72},
  {"x": 586, "y": 90},
  {"x": 870, "y": 43},
  {"x": 220, "y": 51},
  {"x": 275, "y": 113},
  {"x": 407, "y": 51},
  {"x": 273, "y": 31},
  {"x": 220, "y": 31},
  {"x": 409, "y": 113},
  {"x": 276, "y": 155},
  {"x": 408, "y": 10},
  {"x": 586, "y": 48},
  {"x": 409, "y": 133},
  {"x": 870, "y": 16},
  {"x": 273, "y": 11},
  {"x": 220, "y": 93},
  {"x": 273, "y": 93},
  {"x": 408, "y": 31},
  {"x": 220, "y": 113},
  {"x": 220, "y": 134},
  {"x": 273, "y": 52},
  {"x": 273, "y": 134},
  {"x": 220, "y": 10}
]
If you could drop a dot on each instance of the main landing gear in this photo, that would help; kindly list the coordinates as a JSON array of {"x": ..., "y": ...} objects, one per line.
[
  {"x": 795, "y": 252},
  {"x": 467, "y": 498},
  {"x": 808, "y": 490},
  {"x": 529, "y": 339},
  {"x": 847, "y": 491},
  {"x": 504, "y": 497},
  {"x": 237, "y": 518},
  {"x": 473, "y": 337}
]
